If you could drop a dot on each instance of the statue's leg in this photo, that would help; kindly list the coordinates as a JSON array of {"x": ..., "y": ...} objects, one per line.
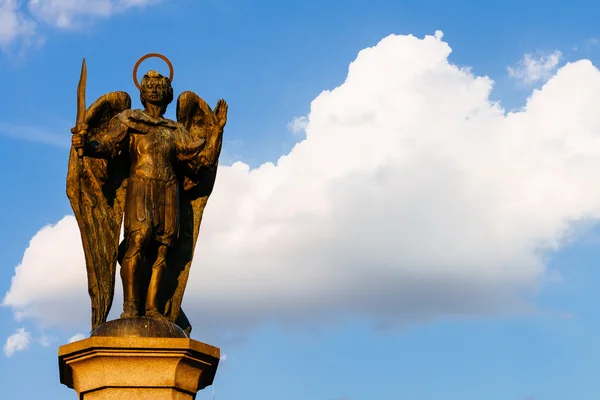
[
  {"x": 129, "y": 271},
  {"x": 165, "y": 228},
  {"x": 158, "y": 269}
]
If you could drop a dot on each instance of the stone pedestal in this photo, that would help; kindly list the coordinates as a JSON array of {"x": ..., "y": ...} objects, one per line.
[{"x": 148, "y": 368}]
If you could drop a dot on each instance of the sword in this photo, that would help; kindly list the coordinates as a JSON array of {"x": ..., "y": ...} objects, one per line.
[{"x": 81, "y": 105}]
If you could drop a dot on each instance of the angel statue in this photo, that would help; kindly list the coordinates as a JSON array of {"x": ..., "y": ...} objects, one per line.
[{"x": 152, "y": 174}]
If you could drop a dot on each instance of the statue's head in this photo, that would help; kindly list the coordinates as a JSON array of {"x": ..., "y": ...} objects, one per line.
[{"x": 156, "y": 89}]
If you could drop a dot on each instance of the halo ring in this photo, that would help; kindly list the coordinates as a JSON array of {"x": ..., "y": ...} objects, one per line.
[{"x": 157, "y": 55}]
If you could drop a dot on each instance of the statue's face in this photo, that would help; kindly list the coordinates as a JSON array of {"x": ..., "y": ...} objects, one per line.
[{"x": 154, "y": 90}]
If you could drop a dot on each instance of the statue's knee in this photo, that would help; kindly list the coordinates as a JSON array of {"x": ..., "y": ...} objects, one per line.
[
  {"x": 135, "y": 244},
  {"x": 137, "y": 239}
]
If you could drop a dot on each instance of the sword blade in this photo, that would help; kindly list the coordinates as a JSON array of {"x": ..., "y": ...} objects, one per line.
[
  {"x": 81, "y": 102},
  {"x": 81, "y": 94}
]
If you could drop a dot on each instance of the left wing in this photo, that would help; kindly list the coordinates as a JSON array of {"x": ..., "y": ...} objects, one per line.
[{"x": 200, "y": 120}]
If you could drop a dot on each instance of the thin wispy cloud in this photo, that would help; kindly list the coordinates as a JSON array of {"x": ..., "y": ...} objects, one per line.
[
  {"x": 77, "y": 337},
  {"x": 15, "y": 25},
  {"x": 533, "y": 68},
  {"x": 18, "y": 341},
  {"x": 36, "y": 134},
  {"x": 69, "y": 14},
  {"x": 45, "y": 340},
  {"x": 587, "y": 45},
  {"x": 20, "y": 22},
  {"x": 298, "y": 125}
]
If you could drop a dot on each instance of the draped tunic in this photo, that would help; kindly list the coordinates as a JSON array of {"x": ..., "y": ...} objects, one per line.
[{"x": 158, "y": 148}]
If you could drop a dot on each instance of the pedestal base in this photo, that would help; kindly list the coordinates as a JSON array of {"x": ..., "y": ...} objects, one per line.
[
  {"x": 139, "y": 327},
  {"x": 111, "y": 368}
]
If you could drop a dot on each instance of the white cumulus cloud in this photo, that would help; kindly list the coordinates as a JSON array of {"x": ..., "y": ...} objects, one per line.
[
  {"x": 17, "y": 342},
  {"x": 413, "y": 197},
  {"x": 534, "y": 68}
]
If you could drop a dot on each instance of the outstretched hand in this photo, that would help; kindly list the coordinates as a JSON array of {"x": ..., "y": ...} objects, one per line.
[{"x": 221, "y": 114}]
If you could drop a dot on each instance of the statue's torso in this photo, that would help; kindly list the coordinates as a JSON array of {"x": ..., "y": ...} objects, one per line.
[
  {"x": 151, "y": 146},
  {"x": 152, "y": 154}
]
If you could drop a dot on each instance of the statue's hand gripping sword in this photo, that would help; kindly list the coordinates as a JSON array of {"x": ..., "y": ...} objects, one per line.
[{"x": 80, "y": 127}]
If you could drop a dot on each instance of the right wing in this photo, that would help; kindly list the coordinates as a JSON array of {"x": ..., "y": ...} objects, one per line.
[{"x": 96, "y": 190}]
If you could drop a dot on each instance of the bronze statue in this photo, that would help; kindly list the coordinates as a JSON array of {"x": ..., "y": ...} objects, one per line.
[{"x": 155, "y": 175}]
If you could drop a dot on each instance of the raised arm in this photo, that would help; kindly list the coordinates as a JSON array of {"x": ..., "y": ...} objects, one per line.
[{"x": 189, "y": 150}]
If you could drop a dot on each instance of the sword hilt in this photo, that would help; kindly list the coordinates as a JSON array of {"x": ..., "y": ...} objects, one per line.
[{"x": 79, "y": 131}]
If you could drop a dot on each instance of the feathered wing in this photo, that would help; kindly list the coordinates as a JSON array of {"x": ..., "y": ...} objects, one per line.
[
  {"x": 198, "y": 118},
  {"x": 95, "y": 188}
]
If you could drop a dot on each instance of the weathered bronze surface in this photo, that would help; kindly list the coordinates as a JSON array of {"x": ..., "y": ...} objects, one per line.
[
  {"x": 153, "y": 174},
  {"x": 139, "y": 327}
]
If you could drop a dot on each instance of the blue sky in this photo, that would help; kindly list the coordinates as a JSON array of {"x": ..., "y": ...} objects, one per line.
[{"x": 390, "y": 254}]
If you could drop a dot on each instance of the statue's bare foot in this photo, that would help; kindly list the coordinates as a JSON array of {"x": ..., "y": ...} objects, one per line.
[
  {"x": 130, "y": 310},
  {"x": 154, "y": 313}
]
